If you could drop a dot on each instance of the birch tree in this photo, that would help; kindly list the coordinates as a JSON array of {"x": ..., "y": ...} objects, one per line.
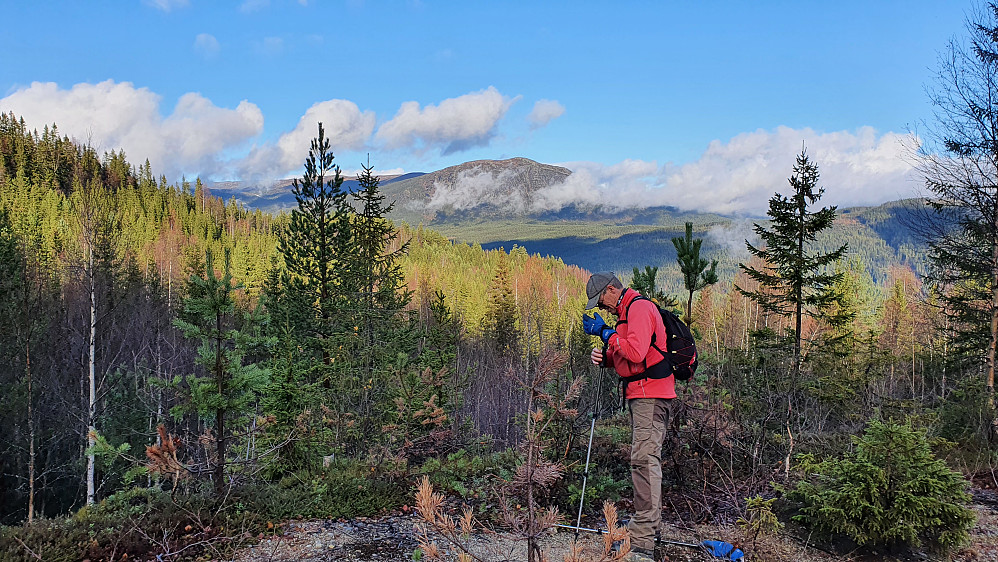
[{"x": 100, "y": 232}]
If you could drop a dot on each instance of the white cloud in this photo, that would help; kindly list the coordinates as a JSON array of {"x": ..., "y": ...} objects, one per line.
[
  {"x": 544, "y": 112},
  {"x": 352, "y": 173},
  {"x": 739, "y": 176},
  {"x": 166, "y": 5},
  {"x": 475, "y": 187},
  {"x": 112, "y": 116},
  {"x": 345, "y": 125},
  {"x": 207, "y": 45},
  {"x": 732, "y": 237},
  {"x": 196, "y": 138},
  {"x": 455, "y": 125},
  {"x": 856, "y": 168},
  {"x": 621, "y": 185},
  {"x": 197, "y": 132}
]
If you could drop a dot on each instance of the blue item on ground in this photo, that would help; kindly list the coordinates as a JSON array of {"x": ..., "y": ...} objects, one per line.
[{"x": 721, "y": 549}]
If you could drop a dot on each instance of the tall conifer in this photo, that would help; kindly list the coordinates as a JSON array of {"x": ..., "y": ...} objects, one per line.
[
  {"x": 314, "y": 246},
  {"x": 501, "y": 315},
  {"x": 795, "y": 279},
  {"x": 959, "y": 163},
  {"x": 378, "y": 279}
]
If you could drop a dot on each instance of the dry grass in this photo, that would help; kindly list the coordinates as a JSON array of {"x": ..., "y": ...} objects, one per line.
[{"x": 463, "y": 535}]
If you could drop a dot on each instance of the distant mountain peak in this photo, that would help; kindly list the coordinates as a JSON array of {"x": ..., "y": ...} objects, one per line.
[{"x": 480, "y": 187}]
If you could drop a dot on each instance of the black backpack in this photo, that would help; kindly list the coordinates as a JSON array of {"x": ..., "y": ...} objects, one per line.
[
  {"x": 682, "y": 348},
  {"x": 680, "y": 351}
]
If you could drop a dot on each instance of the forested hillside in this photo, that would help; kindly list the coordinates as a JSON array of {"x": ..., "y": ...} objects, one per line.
[
  {"x": 91, "y": 241},
  {"x": 193, "y": 372}
]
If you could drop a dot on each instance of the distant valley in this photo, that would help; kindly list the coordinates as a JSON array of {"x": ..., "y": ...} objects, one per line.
[{"x": 502, "y": 203}]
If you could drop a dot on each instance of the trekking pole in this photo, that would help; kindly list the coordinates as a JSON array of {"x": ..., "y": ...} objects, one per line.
[{"x": 589, "y": 451}]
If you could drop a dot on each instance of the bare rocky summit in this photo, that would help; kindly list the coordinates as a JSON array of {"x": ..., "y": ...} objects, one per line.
[{"x": 515, "y": 175}]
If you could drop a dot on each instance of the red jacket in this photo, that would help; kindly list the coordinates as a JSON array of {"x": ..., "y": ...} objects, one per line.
[{"x": 630, "y": 351}]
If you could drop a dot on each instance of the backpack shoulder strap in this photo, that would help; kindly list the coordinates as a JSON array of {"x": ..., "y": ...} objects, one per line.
[{"x": 627, "y": 314}]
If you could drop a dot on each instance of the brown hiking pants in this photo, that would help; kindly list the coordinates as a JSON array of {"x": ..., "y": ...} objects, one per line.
[{"x": 649, "y": 419}]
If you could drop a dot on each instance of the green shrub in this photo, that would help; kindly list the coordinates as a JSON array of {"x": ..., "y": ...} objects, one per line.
[
  {"x": 56, "y": 540},
  {"x": 346, "y": 489},
  {"x": 139, "y": 522},
  {"x": 466, "y": 473},
  {"x": 890, "y": 492},
  {"x": 601, "y": 485}
]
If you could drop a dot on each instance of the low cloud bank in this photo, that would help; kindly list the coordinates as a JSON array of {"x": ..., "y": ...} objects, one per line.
[
  {"x": 731, "y": 237},
  {"x": 474, "y": 188},
  {"x": 733, "y": 178},
  {"x": 739, "y": 176}
]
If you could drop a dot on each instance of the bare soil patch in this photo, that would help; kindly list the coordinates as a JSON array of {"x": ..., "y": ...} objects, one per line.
[{"x": 391, "y": 538}]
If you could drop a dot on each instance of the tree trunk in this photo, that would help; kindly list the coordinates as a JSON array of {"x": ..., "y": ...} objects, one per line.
[
  {"x": 31, "y": 435},
  {"x": 994, "y": 340},
  {"x": 994, "y": 312},
  {"x": 799, "y": 297},
  {"x": 92, "y": 404},
  {"x": 220, "y": 412},
  {"x": 689, "y": 310},
  {"x": 531, "y": 427}
]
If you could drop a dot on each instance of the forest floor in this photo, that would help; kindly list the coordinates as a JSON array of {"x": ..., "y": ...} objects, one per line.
[{"x": 391, "y": 538}]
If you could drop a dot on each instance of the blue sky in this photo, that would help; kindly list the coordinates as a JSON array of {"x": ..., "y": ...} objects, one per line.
[{"x": 697, "y": 104}]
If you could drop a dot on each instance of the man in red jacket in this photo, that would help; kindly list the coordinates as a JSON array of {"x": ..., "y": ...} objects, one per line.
[{"x": 633, "y": 350}]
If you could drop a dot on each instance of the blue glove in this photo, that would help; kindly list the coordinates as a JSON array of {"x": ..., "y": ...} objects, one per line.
[
  {"x": 593, "y": 325},
  {"x": 605, "y": 334}
]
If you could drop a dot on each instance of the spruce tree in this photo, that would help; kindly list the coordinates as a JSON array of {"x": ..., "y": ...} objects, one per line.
[
  {"x": 380, "y": 289},
  {"x": 795, "y": 279},
  {"x": 384, "y": 331},
  {"x": 22, "y": 320},
  {"x": 501, "y": 314},
  {"x": 696, "y": 276},
  {"x": 889, "y": 490},
  {"x": 442, "y": 334}
]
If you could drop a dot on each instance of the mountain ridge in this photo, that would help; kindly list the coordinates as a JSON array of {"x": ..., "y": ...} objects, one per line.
[{"x": 488, "y": 202}]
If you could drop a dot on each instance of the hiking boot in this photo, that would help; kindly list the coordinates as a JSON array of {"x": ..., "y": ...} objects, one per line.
[{"x": 641, "y": 555}]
